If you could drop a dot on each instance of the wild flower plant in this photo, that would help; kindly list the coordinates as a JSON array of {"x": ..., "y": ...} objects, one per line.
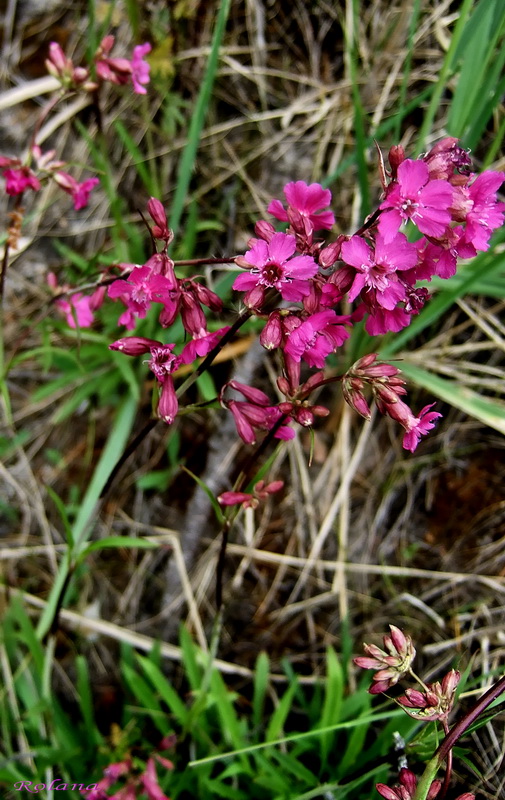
[
  {"x": 308, "y": 290},
  {"x": 433, "y": 702}
]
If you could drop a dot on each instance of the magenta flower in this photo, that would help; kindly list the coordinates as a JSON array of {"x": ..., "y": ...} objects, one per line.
[
  {"x": 416, "y": 427},
  {"x": 271, "y": 266},
  {"x": 79, "y": 192},
  {"x": 407, "y": 788},
  {"x": 163, "y": 363},
  {"x": 17, "y": 180},
  {"x": 484, "y": 213},
  {"x": 142, "y": 288},
  {"x": 247, "y": 500},
  {"x": 381, "y": 320},
  {"x": 307, "y": 200},
  {"x": 76, "y": 310},
  {"x": 201, "y": 344},
  {"x": 377, "y": 269},
  {"x": 140, "y": 68},
  {"x": 316, "y": 337},
  {"x": 414, "y": 196},
  {"x": 435, "y": 702}
]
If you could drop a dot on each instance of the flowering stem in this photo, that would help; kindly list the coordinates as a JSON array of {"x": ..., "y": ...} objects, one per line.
[
  {"x": 444, "y": 750},
  {"x": 469, "y": 718},
  {"x": 196, "y": 262},
  {"x": 209, "y": 358}
]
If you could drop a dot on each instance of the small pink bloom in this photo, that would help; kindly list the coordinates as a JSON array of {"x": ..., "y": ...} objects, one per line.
[
  {"x": 272, "y": 266},
  {"x": 307, "y": 200},
  {"x": 18, "y": 180},
  {"x": 142, "y": 288},
  {"x": 418, "y": 426},
  {"x": 376, "y": 269},
  {"x": 393, "y": 662},
  {"x": 414, "y": 196},
  {"x": 485, "y": 214},
  {"x": 140, "y": 68},
  {"x": 316, "y": 337},
  {"x": 201, "y": 344},
  {"x": 79, "y": 192},
  {"x": 76, "y": 310}
]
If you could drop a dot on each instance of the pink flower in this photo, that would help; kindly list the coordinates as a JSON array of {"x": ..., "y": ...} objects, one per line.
[
  {"x": 17, "y": 180},
  {"x": 201, "y": 344},
  {"x": 317, "y": 337},
  {"x": 407, "y": 788},
  {"x": 381, "y": 321},
  {"x": 416, "y": 427},
  {"x": 435, "y": 702},
  {"x": 140, "y": 68},
  {"x": 485, "y": 213},
  {"x": 272, "y": 267},
  {"x": 393, "y": 662},
  {"x": 377, "y": 269},
  {"x": 307, "y": 200},
  {"x": 163, "y": 363},
  {"x": 76, "y": 310},
  {"x": 142, "y": 288},
  {"x": 247, "y": 500},
  {"x": 80, "y": 192},
  {"x": 414, "y": 196}
]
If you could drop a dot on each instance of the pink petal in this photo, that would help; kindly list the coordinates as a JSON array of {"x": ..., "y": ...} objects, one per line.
[{"x": 281, "y": 247}]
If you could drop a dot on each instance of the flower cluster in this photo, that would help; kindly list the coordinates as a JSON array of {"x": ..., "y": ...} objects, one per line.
[
  {"x": 433, "y": 702},
  {"x": 392, "y": 663},
  {"x": 408, "y": 786},
  {"x": 300, "y": 285},
  {"x": 38, "y": 167},
  {"x": 135, "y": 784},
  {"x": 120, "y": 71}
]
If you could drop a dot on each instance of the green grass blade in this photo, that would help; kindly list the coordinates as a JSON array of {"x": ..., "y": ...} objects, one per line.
[
  {"x": 137, "y": 157},
  {"x": 111, "y": 453},
  {"x": 280, "y": 714},
  {"x": 197, "y": 120},
  {"x": 164, "y": 689},
  {"x": 447, "y": 66},
  {"x": 261, "y": 678},
  {"x": 334, "y": 694},
  {"x": 477, "y": 51}
]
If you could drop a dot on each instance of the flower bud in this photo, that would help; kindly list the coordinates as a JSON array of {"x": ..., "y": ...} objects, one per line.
[{"x": 134, "y": 345}]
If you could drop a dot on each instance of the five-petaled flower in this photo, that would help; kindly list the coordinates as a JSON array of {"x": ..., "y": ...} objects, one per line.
[
  {"x": 273, "y": 265},
  {"x": 414, "y": 196}
]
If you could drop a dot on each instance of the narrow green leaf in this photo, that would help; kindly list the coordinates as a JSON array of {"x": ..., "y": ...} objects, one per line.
[
  {"x": 165, "y": 690},
  {"x": 261, "y": 678},
  {"x": 280, "y": 714},
  {"x": 198, "y": 117},
  {"x": 130, "y": 542}
]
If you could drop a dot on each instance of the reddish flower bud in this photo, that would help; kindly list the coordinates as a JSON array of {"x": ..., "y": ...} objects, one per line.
[
  {"x": 134, "y": 345},
  {"x": 395, "y": 157},
  {"x": 271, "y": 335}
]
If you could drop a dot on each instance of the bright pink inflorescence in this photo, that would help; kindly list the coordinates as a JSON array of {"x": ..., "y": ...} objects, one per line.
[
  {"x": 39, "y": 167},
  {"x": 299, "y": 284}
]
